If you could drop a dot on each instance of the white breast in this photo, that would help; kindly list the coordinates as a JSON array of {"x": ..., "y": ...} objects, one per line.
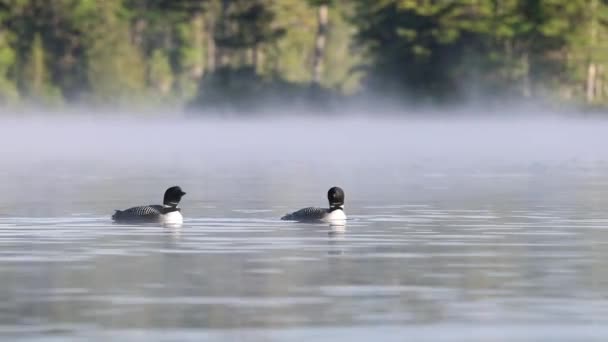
[
  {"x": 336, "y": 216},
  {"x": 174, "y": 217}
]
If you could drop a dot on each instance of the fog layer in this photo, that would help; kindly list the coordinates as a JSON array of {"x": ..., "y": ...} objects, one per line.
[{"x": 202, "y": 143}]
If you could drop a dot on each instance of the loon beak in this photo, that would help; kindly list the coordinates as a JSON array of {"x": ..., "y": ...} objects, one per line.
[{"x": 183, "y": 193}]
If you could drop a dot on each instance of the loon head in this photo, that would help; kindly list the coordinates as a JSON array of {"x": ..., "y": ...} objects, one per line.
[
  {"x": 335, "y": 196},
  {"x": 172, "y": 196}
]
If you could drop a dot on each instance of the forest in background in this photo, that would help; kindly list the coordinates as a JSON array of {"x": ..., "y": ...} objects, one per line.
[{"x": 244, "y": 54}]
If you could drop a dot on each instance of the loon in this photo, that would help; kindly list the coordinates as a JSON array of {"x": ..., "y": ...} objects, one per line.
[
  {"x": 334, "y": 214},
  {"x": 167, "y": 213}
]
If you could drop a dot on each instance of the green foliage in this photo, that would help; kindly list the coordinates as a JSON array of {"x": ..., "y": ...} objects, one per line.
[
  {"x": 36, "y": 80},
  {"x": 115, "y": 68},
  {"x": 160, "y": 75},
  {"x": 226, "y": 52},
  {"x": 35, "y": 71},
  {"x": 444, "y": 50},
  {"x": 338, "y": 70},
  {"x": 291, "y": 56},
  {"x": 189, "y": 56},
  {"x": 247, "y": 24},
  {"x": 8, "y": 89}
]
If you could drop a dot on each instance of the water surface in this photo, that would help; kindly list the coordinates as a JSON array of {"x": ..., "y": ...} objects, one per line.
[{"x": 447, "y": 239}]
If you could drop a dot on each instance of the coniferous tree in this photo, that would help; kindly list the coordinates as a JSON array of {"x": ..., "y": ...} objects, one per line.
[
  {"x": 115, "y": 69},
  {"x": 8, "y": 87}
]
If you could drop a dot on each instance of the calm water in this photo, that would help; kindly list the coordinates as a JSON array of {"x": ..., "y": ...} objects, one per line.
[{"x": 447, "y": 241}]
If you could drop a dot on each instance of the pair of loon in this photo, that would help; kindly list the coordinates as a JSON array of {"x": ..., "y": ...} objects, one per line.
[{"x": 169, "y": 213}]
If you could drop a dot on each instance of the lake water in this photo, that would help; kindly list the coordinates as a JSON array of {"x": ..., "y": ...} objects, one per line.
[{"x": 457, "y": 232}]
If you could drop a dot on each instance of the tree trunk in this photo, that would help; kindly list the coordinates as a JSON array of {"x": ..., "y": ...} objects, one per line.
[
  {"x": 221, "y": 57},
  {"x": 591, "y": 77},
  {"x": 198, "y": 28},
  {"x": 599, "y": 83},
  {"x": 320, "y": 42},
  {"x": 211, "y": 47},
  {"x": 260, "y": 60},
  {"x": 526, "y": 86},
  {"x": 138, "y": 31},
  {"x": 592, "y": 67},
  {"x": 35, "y": 78}
]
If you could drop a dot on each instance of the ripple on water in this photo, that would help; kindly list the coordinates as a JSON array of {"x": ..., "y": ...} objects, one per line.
[{"x": 412, "y": 265}]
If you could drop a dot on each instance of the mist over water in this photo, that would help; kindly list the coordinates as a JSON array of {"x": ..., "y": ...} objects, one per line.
[
  {"x": 54, "y": 158},
  {"x": 184, "y": 141},
  {"x": 460, "y": 229}
]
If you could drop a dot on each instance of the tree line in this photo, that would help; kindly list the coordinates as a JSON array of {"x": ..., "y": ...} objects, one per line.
[{"x": 245, "y": 53}]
